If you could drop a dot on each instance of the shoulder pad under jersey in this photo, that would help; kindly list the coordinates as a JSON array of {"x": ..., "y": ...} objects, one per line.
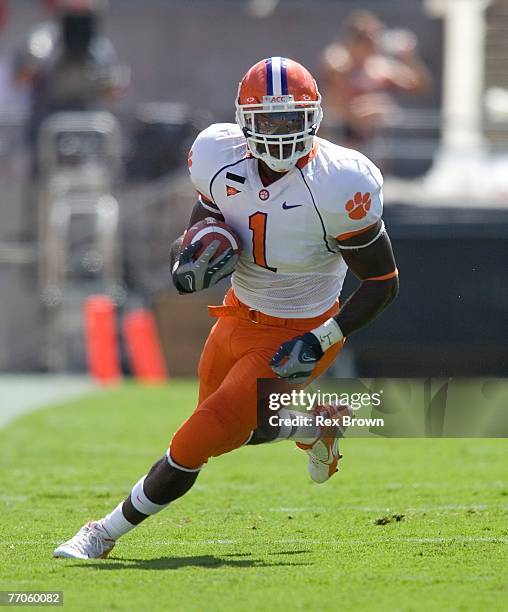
[
  {"x": 350, "y": 190},
  {"x": 219, "y": 145}
]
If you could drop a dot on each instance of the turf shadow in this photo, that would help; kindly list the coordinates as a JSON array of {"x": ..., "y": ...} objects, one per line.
[
  {"x": 278, "y": 552},
  {"x": 173, "y": 563}
]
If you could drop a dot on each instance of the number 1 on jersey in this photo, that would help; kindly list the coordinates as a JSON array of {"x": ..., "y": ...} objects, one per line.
[{"x": 257, "y": 224}]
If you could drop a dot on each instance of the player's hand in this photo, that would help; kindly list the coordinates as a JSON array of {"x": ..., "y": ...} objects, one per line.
[
  {"x": 191, "y": 275},
  {"x": 297, "y": 358}
]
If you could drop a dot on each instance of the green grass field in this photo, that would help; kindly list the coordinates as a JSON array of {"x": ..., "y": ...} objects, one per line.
[{"x": 405, "y": 525}]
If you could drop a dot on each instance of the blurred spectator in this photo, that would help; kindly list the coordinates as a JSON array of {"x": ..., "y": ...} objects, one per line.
[
  {"x": 68, "y": 64},
  {"x": 361, "y": 72}
]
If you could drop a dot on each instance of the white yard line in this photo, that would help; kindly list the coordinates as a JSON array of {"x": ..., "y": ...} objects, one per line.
[
  {"x": 371, "y": 541},
  {"x": 332, "y": 542},
  {"x": 20, "y": 394},
  {"x": 437, "y": 508}
]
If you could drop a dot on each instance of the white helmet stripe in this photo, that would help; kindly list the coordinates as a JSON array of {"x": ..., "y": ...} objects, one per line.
[{"x": 276, "y": 76}]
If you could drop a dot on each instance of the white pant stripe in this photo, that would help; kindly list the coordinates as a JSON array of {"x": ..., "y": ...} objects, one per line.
[{"x": 180, "y": 467}]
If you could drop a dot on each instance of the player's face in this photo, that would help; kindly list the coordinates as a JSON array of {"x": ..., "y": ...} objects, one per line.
[{"x": 280, "y": 124}]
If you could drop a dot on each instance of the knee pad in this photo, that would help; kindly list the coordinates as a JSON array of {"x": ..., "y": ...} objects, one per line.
[
  {"x": 195, "y": 441},
  {"x": 205, "y": 435}
]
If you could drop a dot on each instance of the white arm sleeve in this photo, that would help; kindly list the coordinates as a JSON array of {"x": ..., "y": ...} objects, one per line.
[{"x": 358, "y": 204}]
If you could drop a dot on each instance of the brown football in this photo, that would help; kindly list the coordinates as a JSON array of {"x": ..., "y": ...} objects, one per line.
[{"x": 210, "y": 229}]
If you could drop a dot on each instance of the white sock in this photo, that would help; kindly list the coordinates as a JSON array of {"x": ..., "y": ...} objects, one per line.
[
  {"x": 298, "y": 431},
  {"x": 116, "y": 524},
  {"x": 308, "y": 431}
]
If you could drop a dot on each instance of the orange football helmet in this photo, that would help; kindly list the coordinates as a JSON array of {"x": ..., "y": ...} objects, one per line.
[{"x": 278, "y": 109}]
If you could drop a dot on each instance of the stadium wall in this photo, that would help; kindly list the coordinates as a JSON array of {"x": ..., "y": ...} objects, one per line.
[{"x": 196, "y": 52}]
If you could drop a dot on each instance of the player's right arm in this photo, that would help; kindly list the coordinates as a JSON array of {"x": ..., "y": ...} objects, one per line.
[
  {"x": 189, "y": 274},
  {"x": 200, "y": 212},
  {"x": 192, "y": 274}
]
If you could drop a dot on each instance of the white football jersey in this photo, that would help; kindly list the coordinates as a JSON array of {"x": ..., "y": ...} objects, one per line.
[{"x": 290, "y": 264}]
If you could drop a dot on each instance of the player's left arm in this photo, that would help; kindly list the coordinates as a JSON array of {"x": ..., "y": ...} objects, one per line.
[
  {"x": 364, "y": 245},
  {"x": 369, "y": 256}
]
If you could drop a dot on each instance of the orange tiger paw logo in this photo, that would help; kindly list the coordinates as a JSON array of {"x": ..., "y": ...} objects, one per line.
[{"x": 359, "y": 206}]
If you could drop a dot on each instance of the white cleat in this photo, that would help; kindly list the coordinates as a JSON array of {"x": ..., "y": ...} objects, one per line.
[
  {"x": 323, "y": 454},
  {"x": 91, "y": 542}
]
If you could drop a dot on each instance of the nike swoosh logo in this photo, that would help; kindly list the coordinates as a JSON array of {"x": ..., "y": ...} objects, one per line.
[
  {"x": 188, "y": 278},
  {"x": 306, "y": 357},
  {"x": 286, "y": 207}
]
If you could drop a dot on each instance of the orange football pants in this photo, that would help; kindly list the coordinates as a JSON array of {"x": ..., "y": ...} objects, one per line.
[{"x": 237, "y": 352}]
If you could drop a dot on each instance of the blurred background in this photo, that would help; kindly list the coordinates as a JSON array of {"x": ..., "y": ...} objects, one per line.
[{"x": 100, "y": 101}]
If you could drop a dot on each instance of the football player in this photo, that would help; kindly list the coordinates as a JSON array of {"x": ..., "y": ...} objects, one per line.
[{"x": 306, "y": 211}]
